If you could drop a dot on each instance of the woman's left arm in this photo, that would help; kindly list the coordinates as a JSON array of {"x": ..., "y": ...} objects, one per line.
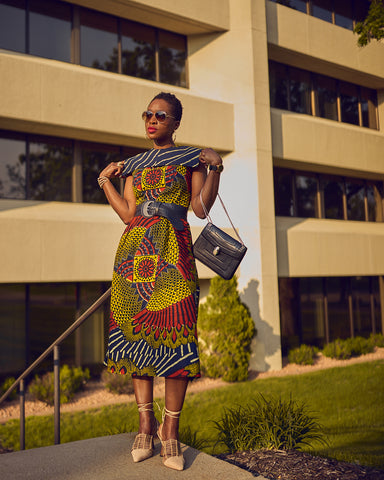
[{"x": 207, "y": 184}]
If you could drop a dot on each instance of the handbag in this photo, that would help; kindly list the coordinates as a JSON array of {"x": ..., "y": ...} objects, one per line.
[{"x": 218, "y": 250}]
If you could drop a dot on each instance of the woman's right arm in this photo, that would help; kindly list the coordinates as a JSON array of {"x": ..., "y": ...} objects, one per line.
[{"x": 124, "y": 206}]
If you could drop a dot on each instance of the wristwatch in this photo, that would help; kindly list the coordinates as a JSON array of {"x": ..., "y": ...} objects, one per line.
[{"x": 216, "y": 168}]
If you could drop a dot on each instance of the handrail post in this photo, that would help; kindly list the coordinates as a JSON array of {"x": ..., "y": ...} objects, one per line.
[
  {"x": 56, "y": 377},
  {"x": 22, "y": 414}
]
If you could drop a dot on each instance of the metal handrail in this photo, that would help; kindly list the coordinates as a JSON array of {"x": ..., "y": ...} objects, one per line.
[{"x": 56, "y": 361}]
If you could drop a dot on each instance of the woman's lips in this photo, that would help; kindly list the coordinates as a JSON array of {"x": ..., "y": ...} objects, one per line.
[{"x": 151, "y": 130}]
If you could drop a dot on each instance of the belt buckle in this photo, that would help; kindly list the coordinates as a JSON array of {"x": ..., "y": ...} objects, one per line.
[{"x": 145, "y": 209}]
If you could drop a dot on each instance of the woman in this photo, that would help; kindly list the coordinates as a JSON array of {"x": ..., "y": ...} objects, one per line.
[{"x": 155, "y": 290}]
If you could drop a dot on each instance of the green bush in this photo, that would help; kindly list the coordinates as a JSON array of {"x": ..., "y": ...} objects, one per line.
[
  {"x": 189, "y": 437},
  {"x": 72, "y": 379},
  {"x": 226, "y": 330},
  {"x": 268, "y": 424},
  {"x": 116, "y": 383},
  {"x": 377, "y": 340},
  {"x": 351, "y": 347},
  {"x": 4, "y": 387},
  {"x": 303, "y": 355}
]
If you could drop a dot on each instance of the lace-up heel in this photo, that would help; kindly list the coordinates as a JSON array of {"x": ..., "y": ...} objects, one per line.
[
  {"x": 171, "y": 449},
  {"x": 143, "y": 445}
]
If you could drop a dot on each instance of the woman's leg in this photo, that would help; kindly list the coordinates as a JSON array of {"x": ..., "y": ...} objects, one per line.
[
  {"x": 143, "y": 388},
  {"x": 175, "y": 389}
]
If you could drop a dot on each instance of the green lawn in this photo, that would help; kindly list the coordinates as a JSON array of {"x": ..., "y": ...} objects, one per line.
[{"x": 348, "y": 402}]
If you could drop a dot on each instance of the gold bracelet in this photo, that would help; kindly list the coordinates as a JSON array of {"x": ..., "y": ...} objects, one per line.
[{"x": 101, "y": 181}]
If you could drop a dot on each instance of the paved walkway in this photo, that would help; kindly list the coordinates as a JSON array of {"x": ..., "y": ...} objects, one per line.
[{"x": 108, "y": 458}]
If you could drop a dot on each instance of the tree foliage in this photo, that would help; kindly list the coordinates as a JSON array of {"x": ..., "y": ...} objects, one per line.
[
  {"x": 372, "y": 27},
  {"x": 226, "y": 330}
]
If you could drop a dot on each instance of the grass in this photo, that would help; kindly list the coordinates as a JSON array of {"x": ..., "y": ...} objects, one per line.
[{"x": 347, "y": 401}]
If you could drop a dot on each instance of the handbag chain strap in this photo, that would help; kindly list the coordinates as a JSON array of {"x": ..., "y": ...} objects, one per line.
[{"x": 225, "y": 210}]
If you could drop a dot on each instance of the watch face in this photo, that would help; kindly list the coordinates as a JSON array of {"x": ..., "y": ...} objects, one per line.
[{"x": 216, "y": 168}]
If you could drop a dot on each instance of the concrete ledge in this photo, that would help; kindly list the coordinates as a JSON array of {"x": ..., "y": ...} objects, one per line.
[{"x": 109, "y": 458}]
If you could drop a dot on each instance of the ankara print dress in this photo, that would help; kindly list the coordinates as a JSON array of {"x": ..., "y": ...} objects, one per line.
[{"x": 155, "y": 291}]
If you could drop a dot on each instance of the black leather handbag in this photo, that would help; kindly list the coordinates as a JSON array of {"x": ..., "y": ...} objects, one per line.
[{"x": 218, "y": 250}]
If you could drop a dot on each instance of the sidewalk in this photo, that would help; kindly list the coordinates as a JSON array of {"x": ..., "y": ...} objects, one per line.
[{"x": 108, "y": 458}]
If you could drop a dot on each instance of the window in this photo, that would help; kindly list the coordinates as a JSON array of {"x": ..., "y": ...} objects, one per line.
[
  {"x": 279, "y": 80},
  {"x": 326, "y": 97},
  {"x": 12, "y": 166},
  {"x": 106, "y": 42},
  {"x": 172, "y": 55},
  {"x": 343, "y": 13},
  {"x": 13, "y": 25},
  {"x": 12, "y": 327},
  {"x": 138, "y": 50},
  {"x": 333, "y": 198},
  {"x": 305, "y": 194},
  {"x": 322, "y": 9},
  {"x": 50, "y": 25},
  {"x": 95, "y": 157},
  {"x": 50, "y": 169},
  {"x": 283, "y": 193},
  {"x": 355, "y": 195},
  {"x": 292, "y": 89},
  {"x": 98, "y": 41},
  {"x": 300, "y": 91},
  {"x": 349, "y": 103},
  {"x": 317, "y": 310},
  {"x": 368, "y": 108}
]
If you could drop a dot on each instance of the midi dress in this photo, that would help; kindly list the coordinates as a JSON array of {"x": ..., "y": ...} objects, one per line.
[{"x": 155, "y": 288}]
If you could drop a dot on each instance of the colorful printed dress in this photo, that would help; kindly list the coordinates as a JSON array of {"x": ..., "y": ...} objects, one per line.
[{"x": 155, "y": 290}]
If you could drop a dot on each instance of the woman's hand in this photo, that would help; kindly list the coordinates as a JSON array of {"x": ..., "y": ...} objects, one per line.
[
  {"x": 114, "y": 169},
  {"x": 208, "y": 156}
]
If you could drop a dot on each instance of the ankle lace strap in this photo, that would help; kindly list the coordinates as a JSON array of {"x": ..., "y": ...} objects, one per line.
[
  {"x": 145, "y": 407},
  {"x": 171, "y": 414}
]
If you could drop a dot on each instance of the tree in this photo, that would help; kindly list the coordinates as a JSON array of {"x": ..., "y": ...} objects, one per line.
[
  {"x": 226, "y": 330},
  {"x": 372, "y": 27}
]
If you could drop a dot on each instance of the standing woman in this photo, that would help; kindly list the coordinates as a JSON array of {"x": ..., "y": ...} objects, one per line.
[{"x": 155, "y": 290}]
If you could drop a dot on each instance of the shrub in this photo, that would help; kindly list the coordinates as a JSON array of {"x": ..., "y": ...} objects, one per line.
[
  {"x": 377, "y": 339},
  {"x": 226, "y": 330},
  {"x": 268, "y": 424},
  {"x": 303, "y": 355},
  {"x": 4, "y": 387},
  {"x": 116, "y": 383},
  {"x": 72, "y": 379},
  {"x": 351, "y": 347},
  {"x": 338, "y": 349}
]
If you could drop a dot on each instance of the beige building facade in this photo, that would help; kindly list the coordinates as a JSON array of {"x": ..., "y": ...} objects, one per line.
[{"x": 234, "y": 51}]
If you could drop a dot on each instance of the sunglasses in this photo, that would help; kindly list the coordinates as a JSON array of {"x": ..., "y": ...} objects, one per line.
[{"x": 160, "y": 115}]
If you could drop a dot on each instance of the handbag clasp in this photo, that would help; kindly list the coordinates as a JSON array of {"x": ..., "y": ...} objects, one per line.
[{"x": 216, "y": 251}]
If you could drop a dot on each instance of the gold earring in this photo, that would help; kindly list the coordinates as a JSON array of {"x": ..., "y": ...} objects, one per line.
[{"x": 174, "y": 137}]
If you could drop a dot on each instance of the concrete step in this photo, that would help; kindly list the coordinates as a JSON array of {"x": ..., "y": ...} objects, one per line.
[{"x": 109, "y": 458}]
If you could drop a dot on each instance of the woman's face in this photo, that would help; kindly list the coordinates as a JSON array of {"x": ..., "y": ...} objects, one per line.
[{"x": 161, "y": 131}]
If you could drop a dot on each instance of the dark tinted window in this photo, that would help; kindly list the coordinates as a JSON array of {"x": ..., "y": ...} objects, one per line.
[
  {"x": 98, "y": 40},
  {"x": 172, "y": 58},
  {"x": 283, "y": 193},
  {"x": 306, "y": 195},
  {"x": 322, "y": 9},
  {"x": 12, "y": 25},
  {"x": 326, "y": 97},
  {"x": 50, "y": 166},
  {"x": 50, "y": 26},
  {"x": 369, "y": 107},
  {"x": 344, "y": 14},
  {"x": 300, "y": 91},
  {"x": 12, "y": 166},
  {"x": 349, "y": 103},
  {"x": 355, "y": 194},
  {"x": 278, "y": 75},
  {"x": 138, "y": 50},
  {"x": 333, "y": 198},
  {"x": 338, "y": 308}
]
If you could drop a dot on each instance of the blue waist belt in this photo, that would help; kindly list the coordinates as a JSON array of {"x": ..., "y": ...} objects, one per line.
[{"x": 174, "y": 213}]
